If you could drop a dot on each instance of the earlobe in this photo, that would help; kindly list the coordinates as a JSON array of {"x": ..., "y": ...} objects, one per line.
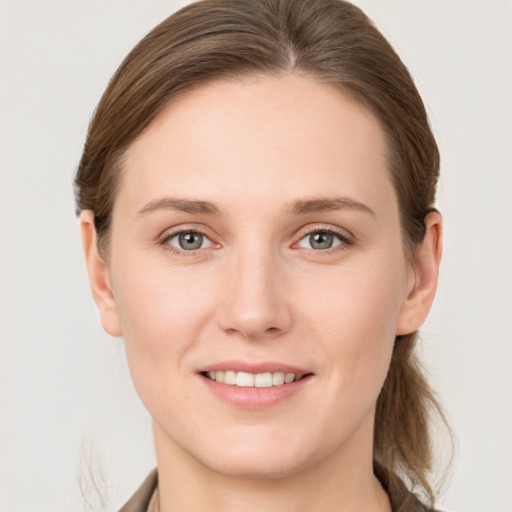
[
  {"x": 423, "y": 279},
  {"x": 99, "y": 278}
]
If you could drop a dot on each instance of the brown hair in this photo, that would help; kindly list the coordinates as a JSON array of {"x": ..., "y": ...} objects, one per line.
[{"x": 335, "y": 42}]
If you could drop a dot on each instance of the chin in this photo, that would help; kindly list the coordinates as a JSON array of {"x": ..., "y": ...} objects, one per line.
[
  {"x": 257, "y": 468},
  {"x": 266, "y": 458}
]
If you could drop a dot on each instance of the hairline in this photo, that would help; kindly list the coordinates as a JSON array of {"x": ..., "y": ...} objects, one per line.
[{"x": 353, "y": 96}]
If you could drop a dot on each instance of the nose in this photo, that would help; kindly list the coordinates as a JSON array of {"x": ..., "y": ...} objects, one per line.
[{"x": 255, "y": 302}]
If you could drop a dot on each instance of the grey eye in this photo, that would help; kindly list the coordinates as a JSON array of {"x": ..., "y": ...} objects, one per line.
[
  {"x": 189, "y": 241},
  {"x": 320, "y": 241}
]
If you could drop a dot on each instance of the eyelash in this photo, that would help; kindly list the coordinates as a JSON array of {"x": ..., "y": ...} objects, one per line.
[
  {"x": 166, "y": 237},
  {"x": 345, "y": 239}
]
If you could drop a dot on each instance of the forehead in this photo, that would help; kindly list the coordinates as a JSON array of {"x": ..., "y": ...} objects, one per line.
[{"x": 247, "y": 138}]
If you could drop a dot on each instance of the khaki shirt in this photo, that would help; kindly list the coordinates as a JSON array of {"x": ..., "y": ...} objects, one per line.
[{"x": 146, "y": 499}]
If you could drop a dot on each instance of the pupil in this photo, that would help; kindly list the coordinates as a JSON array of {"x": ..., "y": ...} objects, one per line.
[
  {"x": 321, "y": 240},
  {"x": 191, "y": 241}
]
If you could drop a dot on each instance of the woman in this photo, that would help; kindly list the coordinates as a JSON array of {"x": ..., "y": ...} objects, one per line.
[{"x": 256, "y": 202}]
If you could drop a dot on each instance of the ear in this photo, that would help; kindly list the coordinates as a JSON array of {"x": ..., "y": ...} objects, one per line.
[
  {"x": 422, "y": 283},
  {"x": 99, "y": 277}
]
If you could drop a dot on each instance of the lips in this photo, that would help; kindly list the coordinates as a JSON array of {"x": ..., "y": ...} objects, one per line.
[{"x": 254, "y": 386}]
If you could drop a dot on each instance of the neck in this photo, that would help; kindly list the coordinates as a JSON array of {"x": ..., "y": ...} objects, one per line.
[{"x": 342, "y": 482}]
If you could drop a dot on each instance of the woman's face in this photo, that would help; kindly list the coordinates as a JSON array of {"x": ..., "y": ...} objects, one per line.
[{"x": 256, "y": 235}]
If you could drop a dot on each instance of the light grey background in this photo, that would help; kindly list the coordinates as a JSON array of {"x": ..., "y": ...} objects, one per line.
[{"x": 68, "y": 412}]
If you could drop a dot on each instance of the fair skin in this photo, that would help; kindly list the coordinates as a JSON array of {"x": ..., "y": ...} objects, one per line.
[{"x": 290, "y": 260}]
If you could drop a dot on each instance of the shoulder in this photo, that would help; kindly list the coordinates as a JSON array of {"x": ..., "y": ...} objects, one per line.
[
  {"x": 139, "y": 502},
  {"x": 400, "y": 497}
]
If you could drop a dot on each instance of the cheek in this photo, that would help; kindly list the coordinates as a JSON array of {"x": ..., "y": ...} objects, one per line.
[
  {"x": 354, "y": 321},
  {"x": 162, "y": 312}
]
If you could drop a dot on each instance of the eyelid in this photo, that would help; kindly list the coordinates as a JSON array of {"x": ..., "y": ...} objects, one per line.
[
  {"x": 170, "y": 233},
  {"x": 346, "y": 238}
]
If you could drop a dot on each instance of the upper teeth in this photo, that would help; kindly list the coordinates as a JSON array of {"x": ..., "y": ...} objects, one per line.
[{"x": 253, "y": 380}]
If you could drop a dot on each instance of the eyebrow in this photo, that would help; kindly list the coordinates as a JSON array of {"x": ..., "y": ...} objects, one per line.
[
  {"x": 327, "y": 204},
  {"x": 298, "y": 207},
  {"x": 181, "y": 205}
]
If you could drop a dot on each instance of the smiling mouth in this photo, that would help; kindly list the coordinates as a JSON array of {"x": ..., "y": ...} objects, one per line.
[{"x": 254, "y": 380}]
